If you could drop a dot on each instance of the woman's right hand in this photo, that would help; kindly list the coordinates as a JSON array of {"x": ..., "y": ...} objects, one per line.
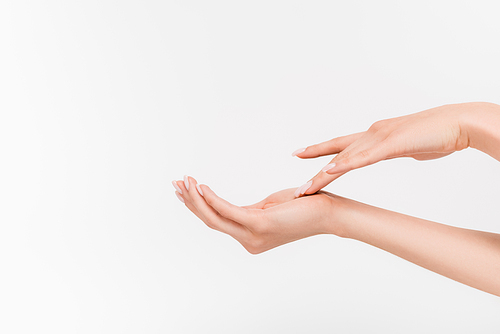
[{"x": 429, "y": 134}]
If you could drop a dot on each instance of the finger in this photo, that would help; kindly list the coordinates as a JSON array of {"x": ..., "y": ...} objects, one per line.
[
  {"x": 321, "y": 180},
  {"x": 332, "y": 146},
  {"x": 331, "y": 172},
  {"x": 362, "y": 156},
  {"x": 211, "y": 217},
  {"x": 181, "y": 189},
  {"x": 258, "y": 205},
  {"x": 238, "y": 214}
]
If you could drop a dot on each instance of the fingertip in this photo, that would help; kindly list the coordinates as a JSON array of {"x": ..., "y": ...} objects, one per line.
[
  {"x": 306, "y": 187},
  {"x": 207, "y": 193},
  {"x": 186, "y": 182},
  {"x": 206, "y": 189},
  {"x": 303, "y": 188},
  {"x": 198, "y": 187},
  {"x": 179, "y": 197},
  {"x": 299, "y": 151},
  {"x": 312, "y": 190},
  {"x": 176, "y": 187}
]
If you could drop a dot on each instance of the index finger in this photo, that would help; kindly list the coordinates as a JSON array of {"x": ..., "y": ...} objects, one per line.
[
  {"x": 321, "y": 180},
  {"x": 332, "y": 146}
]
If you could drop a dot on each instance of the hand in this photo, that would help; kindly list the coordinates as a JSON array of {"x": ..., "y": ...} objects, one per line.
[
  {"x": 274, "y": 221},
  {"x": 467, "y": 256},
  {"x": 429, "y": 134}
]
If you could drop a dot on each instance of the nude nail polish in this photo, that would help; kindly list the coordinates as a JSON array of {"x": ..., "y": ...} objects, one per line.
[
  {"x": 199, "y": 189},
  {"x": 328, "y": 167},
  {"x": 305, "y": 187},
  {"x": 179, "y": 197},
  {"x": 302, "y": 189},
  {"x": 186, "y": 182},
  {"x": 174, "y": 183},
  {"x": 300, "y": 150}
]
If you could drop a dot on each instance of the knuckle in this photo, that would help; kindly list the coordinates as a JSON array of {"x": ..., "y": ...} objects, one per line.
[
  {"x": 364, "y": 154},
  {"x": 378, "y": 125},
  {"x": 395, "y": 135},
  {"x": 343, "y": 156},
  {"x": 346, "y": 161}
]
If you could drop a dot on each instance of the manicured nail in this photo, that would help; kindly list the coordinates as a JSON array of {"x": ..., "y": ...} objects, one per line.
[
  {"x": 177, "y": 187},
  {"x": 305, "y": 187},
  {"x": 299, "y": 189},
  {"x": 328, "y": 167},
  {"x": 179, "y": 197},
  {"x": 199, "y": 189},
  {"x": 302, "y": 189},
  {"x": 186, "y": 182},
  {"x": 300, "y": 150}
]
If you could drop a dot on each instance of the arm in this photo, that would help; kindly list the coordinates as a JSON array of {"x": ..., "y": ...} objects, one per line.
[
  {"x": 429, "y": 134},
  {"x": 467, "y": 256},
  {"x": 482, "y": 125}
]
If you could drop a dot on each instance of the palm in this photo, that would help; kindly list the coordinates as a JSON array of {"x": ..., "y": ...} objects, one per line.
[
  {"x": 278, "y": 219},
  {"x": 289, "y": 218},
  {"x": 284, "y": 196}
]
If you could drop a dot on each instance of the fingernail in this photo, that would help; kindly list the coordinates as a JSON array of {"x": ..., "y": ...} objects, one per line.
[
  {"x": 186, "y": 182},
  {"x": 176, "y": 187},
  {"x": 328, "y": 167},
  {"x": 305, "y": 187},
  {"x": 302, "y": 189},
  {"x": 199, "y": 189},
  {"x": 179, "y": 197},
  {"x": 300, "y": 150}
]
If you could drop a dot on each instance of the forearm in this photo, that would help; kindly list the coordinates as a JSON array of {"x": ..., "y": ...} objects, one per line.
[
  {"x": 481, "y": 122},
  {"x": 467, "y": 256}
]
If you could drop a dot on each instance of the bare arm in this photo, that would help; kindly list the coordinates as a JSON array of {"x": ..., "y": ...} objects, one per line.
[
  {"x": 482, "y": 124},
  {"x": 467, "y": 256}
]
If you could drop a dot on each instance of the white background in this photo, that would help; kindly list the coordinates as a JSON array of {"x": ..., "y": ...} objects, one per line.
[{"x": 104, "y": 103}]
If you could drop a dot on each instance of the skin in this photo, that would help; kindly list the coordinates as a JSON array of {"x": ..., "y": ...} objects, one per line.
[
  {"x": 426, "y": 135},
  {"x": 467, "y": 256}
]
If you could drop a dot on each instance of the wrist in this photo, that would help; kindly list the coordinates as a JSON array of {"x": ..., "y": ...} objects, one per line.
[
  {"x": 480, "y": 122},
  {"x": 343, "y": 217}
]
